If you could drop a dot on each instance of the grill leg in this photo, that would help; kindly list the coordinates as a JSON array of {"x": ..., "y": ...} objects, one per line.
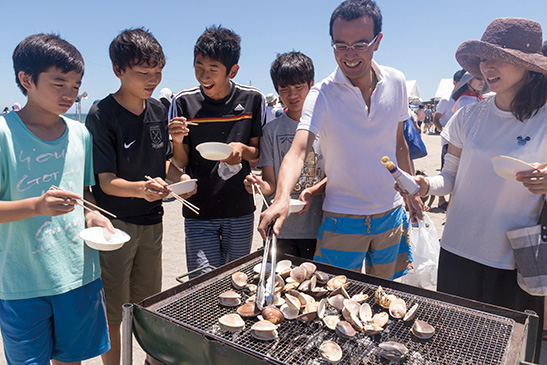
[{"x": 127, "y": 331}]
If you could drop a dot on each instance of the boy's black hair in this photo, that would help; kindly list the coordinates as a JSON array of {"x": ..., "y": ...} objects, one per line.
[
  {"x": 219, "y": 44},
  {"x": 355, "y": 9},
  {"x": 291, "y": 68},
  {"x": 134, "y": 47},
  {"x": 39, "y": 52},
  {"x": 458, "y": 75}
]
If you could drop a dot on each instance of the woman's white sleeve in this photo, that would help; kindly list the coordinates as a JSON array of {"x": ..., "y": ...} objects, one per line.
[{"x": 443, "y": 184}]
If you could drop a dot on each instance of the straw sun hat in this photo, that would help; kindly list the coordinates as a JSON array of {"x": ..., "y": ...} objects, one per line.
[{"x": 513, "y": 40}]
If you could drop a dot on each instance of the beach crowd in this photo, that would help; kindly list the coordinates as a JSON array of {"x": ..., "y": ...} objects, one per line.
[{"x": 320, "y": 146}]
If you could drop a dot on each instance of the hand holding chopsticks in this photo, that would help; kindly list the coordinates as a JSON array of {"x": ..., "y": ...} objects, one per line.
[
  {"x": 90, "y": 204},
  {"x": 184, "y": 202},
  {"x": 259, "y": 191}
]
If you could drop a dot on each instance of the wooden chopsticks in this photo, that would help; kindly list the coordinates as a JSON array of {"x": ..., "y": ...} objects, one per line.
[
  {"x": 185, "y": 202},
  {"x": 260, "y": 192},
  {"x": 90, "y": 204}
]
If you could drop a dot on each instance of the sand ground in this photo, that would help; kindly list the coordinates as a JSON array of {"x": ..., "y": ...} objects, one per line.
[{"x": 174, "y": 262}]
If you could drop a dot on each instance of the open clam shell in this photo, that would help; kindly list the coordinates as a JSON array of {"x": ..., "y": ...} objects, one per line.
[
  {"x": 322, "y": 308},
  {"x": 292, "y": 301},
  {"x": 372, "y": 329},
  {"x": 231, "y": 322},
  {"x": 411, "y": 313},
  {"x": 321, "y": 277},
  {"x": 310, "y": 269},
  {"x": 289, "y": 312},
  {"x": 336, "y": 282},
  {"x": 397, "y": 308},
  {"x": 422, "y": 330},
  {"x": 360, "y": 298},
  {"x": 380, "y": 319},
  {"x": 330, "y": 351},
  {"x": 298, "y": 274},
  {"x": 337, "y": 301},
  {"x": 331, "y": 321},
  {"x": 365, "y": 313},
  {"x": 283, "y": 267},
  {"x": 239, "y": 279},
  {"x": 264, "y": 330}
]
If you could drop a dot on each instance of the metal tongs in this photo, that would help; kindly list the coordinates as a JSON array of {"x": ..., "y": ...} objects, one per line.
[{"x": 266, "y": 288}]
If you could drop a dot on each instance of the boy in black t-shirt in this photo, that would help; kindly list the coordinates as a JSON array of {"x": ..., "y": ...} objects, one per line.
[
  {"x": 130, "y": 141},
  {"x": 227, "y": 112}
]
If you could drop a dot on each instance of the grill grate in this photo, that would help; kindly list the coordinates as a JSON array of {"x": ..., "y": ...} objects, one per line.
[{"x": 462, "y": 335}]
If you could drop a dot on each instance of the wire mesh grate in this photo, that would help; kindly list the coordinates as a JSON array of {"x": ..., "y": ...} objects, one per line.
[{"x": 462, "y": 335}]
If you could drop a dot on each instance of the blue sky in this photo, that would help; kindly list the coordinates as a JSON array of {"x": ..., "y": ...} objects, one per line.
[{"x": 420, "y": 36}]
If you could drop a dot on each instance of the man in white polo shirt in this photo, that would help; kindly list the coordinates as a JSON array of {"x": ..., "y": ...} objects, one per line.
[{"x": 358, "y": 113}]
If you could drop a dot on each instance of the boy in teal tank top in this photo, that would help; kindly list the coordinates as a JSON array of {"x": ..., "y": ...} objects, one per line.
[{"x": 51, "y": 296}]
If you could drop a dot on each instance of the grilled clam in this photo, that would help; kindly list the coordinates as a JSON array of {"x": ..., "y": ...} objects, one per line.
[
  {"x": 397, "y": 308},
  {"x": 264, "y": 330},
  {"x": 292, "y": 301},
  {"x": 372, "y": 329},
  {"x": 340, "y": 290},
  {"x": 330, "y": 351},
  {"x": 298, "y": 274},
  {"x": 422, "y": 330},
  {"x": 248, "y": 309},
  {"x": 336, "y": 282},
  {"x": 283, "y": 268},
  {"x": 310, "y": 269},
  {"x": 365, "y": 313},
  {"x": 306, "y": 316},
  {"x": 231, "y": 322},
  {"x": 229, "y": 299},
  {"x": 321, "y": 308},
  {"x": 239, "y": 279},
  {"x": 321, "y": 277},
  {"x": 380, "y": 319},
  {"x": 360, "y": 298},
  {"x": 345, "y": 329},
  {"x": 250, "y": 289},
  {"x": 393, "y": 351},
  {"x": 272, "y": 314},
  {"x": 337, "y": 301},
  {"x": 289, "y": 312},
  {"x": 331, "y": 321},
  {"x": 411, "y": 313}
]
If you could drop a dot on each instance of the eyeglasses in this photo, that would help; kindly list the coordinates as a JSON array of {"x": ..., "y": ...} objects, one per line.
[{"x": 357, "y": 47}]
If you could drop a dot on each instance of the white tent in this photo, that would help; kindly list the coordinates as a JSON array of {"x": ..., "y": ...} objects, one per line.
[
  {"x": 444, "y": 89},
  {"x": 412, "y": 90}
]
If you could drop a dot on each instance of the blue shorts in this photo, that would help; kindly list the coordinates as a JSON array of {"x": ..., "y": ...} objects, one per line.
[
  {"x": 381, "y": 240},
  {"x": 68, "y": 327}
]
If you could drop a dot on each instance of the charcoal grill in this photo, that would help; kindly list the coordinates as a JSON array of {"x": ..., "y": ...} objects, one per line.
[{"x": 180, "y": 326}]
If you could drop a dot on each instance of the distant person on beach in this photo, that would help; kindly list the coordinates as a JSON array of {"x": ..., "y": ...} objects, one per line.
[
  {"x": 292, "y": 75},
  {"x": 16, "y": 107},
  {"x": 51, "y": 295},
  {"x": 421, "y": 117},
  {"x": 442, "y": 116},
  {"x": 5, "y": 111},
  {"x": 272, "y": 110},
  {"x": 225, "y": 112},
  {"x": 130, "y": 142},
  {"x": 358, "y": 112},
  {"x": 166, "y": 95},
  {"x": 476, "y": 259},
  {"x": 468, "y": 90},
  {"x": 428, "y": 115}
]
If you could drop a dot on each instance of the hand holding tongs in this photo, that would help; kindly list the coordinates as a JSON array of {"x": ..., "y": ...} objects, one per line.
[{"x": 266, "y": 289}]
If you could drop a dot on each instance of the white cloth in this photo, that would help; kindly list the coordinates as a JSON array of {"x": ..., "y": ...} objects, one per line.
[
  {"x": 226, "y": 171},
  {"x": 353, "y": 140},
  {"x": 445, "y": 108},
  {"x": 485, "y": 206}
]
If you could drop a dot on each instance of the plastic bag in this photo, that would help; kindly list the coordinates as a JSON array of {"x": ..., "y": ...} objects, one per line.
[{"x": 425, "y": 251}]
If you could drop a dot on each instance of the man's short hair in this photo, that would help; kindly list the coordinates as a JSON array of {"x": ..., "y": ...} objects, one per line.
[
  {"x": 39, "y": 52},
  {"x": 291, "y": 68},
  {"x": 355, "y": 9},
  {"x": 219, "y": 44},
  {"x": 134, "y": 47},
  {"x": 544, "y": 48}
]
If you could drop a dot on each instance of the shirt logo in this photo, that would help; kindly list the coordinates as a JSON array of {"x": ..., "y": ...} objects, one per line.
[
  {"x": 522, "y": 141},
  {"x": 239, "y": 108},
  {"x": 127, "y": 145},
  {"x": 156, "y": 137}
]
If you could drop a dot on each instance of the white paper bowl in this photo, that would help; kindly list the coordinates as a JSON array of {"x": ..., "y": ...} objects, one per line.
[
  {"x": 214, "y": 151},
  {"x": 183, "y": 187},
  {"x": 296, "y": 205},
  {"x": 100, "y": 239},
  {"x": 507, "y": 167}
]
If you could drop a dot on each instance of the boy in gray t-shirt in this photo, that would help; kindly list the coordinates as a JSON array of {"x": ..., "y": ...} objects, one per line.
[{"x": 292, "y": 75}]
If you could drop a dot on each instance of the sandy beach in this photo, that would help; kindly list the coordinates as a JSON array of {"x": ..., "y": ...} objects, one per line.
[{"x": 174, "y": 262}]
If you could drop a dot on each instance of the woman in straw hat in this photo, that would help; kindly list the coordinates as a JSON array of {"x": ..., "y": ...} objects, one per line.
[{"x": 476, "y": 259}]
